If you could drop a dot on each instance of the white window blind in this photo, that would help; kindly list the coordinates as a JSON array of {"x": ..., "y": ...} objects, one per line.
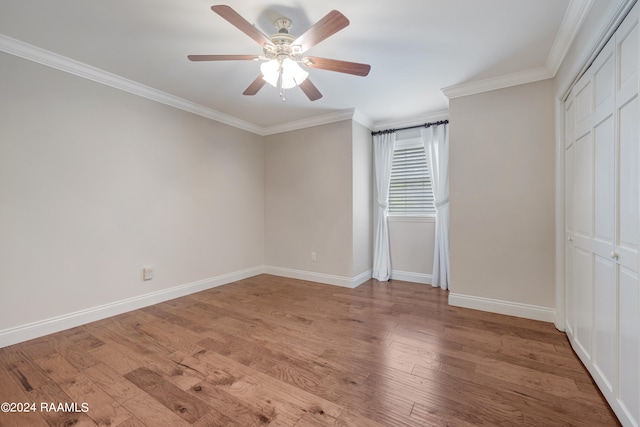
[{"x": 410, "y": 191}]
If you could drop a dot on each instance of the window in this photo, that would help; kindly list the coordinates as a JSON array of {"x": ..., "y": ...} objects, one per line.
[{"x": 410, "y": 191}]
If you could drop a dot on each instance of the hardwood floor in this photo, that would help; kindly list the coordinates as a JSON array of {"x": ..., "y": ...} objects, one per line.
[{"x": 269, "y": 350}]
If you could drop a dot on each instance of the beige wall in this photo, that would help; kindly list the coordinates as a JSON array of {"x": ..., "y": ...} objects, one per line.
[
  {"x": 362, "y": 199},
  {"x": 411, "y": 242},
  {"x": 318, "y": 198},
  {"x": 309, "y": 199},
  {"x": 502, "y": 187},
  {"x": 95, "y": 183}
]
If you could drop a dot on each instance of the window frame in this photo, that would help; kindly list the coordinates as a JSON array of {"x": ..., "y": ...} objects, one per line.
[{"x": 404, "y": 143}]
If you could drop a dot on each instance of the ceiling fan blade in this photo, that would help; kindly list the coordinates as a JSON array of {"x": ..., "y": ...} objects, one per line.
[
  {"x": 221, "y": 57},
  {"x": 332, "y": 22},
  {"x": 240, "y": 23},
  {"x": 255, "y": 86},
  {"x": 310, "y": 90},
  {"x": 347, "y": 67}
]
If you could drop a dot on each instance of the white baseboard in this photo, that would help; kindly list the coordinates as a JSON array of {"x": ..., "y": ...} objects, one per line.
[
  {"x": 527, "y": 311},
  {"x": 408, "y": 276},
  {"x": 56, "y": 324},
  {"x": 329, "y": 279}
]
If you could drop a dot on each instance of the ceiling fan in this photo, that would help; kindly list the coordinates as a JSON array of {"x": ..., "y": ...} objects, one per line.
[{"x": 284, "y": 52}]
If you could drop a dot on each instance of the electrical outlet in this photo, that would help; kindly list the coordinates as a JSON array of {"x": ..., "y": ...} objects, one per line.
[
  {"x": 147, "y": 273},
  {"x": 313, "y": 256}
]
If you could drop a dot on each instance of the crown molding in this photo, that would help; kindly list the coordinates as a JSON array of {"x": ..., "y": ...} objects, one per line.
[
  {"x": 41, "y": 56},
  {"x": 44, "y": 57},
  {"x": 363, "y": 119},
  {"x": 572, "y": 21},
  {"x": 338, "y": 116},
  {"x": 574, "y": 17},
  {"x": 499, "y": 82}
]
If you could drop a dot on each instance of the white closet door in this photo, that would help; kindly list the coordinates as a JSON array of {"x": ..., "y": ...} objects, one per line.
[
  {"x": 602, "y": 207},
  {"x": 583, "y": 203},
  {"x": 603, "y": 231},
  {"x": 628, "y": 202},
  {"x": 570, "y": 292}
]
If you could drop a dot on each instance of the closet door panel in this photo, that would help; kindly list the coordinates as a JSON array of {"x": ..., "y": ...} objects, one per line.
[
  {"x": 627, "y": 41},
  {"x": 604, "y": 78},
  {"x": 583, "y": 276},
  {"x": 629, "y": 309},
  {"x": 605, "y": 311},
  {"x": 583, "y": 104},
  {"x": 628, "y": 188},
  {"x": 604, "y": 183},
  {"x": 570, "y": 292},
  {"x": 628, "y": 176},
  {"x": 583, "y": 187},
  {"x": 569, "y": 122}
]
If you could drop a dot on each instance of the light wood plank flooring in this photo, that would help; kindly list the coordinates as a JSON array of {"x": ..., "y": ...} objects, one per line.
[{"x": 275, "y": 351}]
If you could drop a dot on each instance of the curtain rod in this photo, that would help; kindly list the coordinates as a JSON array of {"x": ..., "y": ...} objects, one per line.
[{"x": 425, "y": 125}]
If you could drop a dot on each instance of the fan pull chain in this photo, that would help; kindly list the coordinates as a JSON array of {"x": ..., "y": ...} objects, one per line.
[{"x": 280, "y": 83}]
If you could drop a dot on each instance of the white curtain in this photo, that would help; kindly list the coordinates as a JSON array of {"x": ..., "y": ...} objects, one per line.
[
  {"x": 436, "y": 142},
  {"x": 382, "y": 160}
]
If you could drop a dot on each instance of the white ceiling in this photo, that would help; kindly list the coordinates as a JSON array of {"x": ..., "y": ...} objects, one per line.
[{"x": 415, "y": 48}]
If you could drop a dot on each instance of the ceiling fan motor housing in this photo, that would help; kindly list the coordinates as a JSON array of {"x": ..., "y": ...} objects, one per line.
[
  {"x": 283, "y": 25},
  {"x": 283, "y": 46}
]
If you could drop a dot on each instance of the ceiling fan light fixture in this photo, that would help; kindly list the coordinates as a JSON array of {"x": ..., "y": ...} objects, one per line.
[
  {"x": 284, "y": 52},
  {"x": 270, "y": 72},
  {"x": 292, "y": 74},
  {"x": 288, "y": 72}
]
